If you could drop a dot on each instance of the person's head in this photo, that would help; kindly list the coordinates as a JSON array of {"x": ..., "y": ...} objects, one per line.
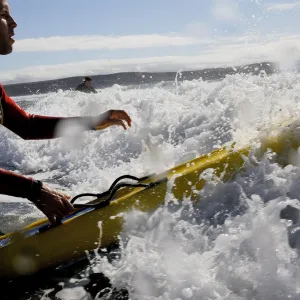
[
  {"x": 87, "y": 81},
  {"x": 7, "y": 26}
]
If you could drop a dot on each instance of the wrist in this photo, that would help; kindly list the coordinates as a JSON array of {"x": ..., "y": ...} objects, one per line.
[{"x": 35, "y": 190}]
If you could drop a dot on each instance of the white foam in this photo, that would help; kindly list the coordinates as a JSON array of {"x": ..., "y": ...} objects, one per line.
[{"x": 174, "y": 255}]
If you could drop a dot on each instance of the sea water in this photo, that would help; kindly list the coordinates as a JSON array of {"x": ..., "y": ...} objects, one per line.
[{"x": 232, "y": 245}]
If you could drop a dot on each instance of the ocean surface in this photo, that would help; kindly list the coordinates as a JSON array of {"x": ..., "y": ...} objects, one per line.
[{"x": 231, "y": 246}]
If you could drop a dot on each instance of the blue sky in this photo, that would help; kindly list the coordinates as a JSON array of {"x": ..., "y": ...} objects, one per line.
[{"x": 61, "y": 38}]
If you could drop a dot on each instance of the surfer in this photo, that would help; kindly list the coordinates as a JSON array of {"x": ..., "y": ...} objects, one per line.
[
  {"x": 86, "y": 86},
  {"x": 54, "y": 204}
]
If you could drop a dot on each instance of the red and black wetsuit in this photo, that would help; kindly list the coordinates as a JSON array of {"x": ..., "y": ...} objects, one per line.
[{"x": 27, "y": 126}]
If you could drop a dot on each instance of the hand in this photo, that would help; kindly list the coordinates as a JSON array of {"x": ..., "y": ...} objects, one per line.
[
  {"x": 113, "y": 117},
  {"x": 53, "y": 204}
]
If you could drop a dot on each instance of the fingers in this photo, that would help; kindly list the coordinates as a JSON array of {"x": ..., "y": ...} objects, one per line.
[
  {"x": 102, "y": 126},
  {"x": 126, "y": 118},
  {"x": 121, "y": 115},
  {"x": 51, "y": 218},
  {"x": 114, "y": 117},
  {"x": 54, "y": 204},
  {"x": 64, "y": 207},
  {"x": 112, "y": 122},
  {"x": 120, "y": 123},
  {"x": 61, "y": 194},
  {"x": 59, "y": 213},
  {"x": 68, "y": 206}
]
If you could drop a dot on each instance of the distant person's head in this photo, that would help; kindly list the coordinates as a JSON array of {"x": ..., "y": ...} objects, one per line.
[
  {"x": 7, "y": 26},
  {"x": 87, "y": 81}
]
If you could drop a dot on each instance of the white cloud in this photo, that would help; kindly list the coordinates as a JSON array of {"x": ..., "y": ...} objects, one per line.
[
  {"x": 282, "y": 6},
  {"x": 195, "y": 34},
  {"x": 226, "y": 10},
  {"x": 225, "y": 52},
  {"x": 98, "y": 42}
]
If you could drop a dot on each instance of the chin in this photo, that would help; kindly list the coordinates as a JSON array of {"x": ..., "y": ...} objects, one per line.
[{"x": 6, "y": 50}]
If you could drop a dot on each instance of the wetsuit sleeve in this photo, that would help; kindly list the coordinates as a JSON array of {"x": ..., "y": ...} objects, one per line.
[
  {"x": 94, "y": 91},
  {"x": 79, "y": 88},
  {"x": 16, "y": 185},
  {"x": 27, "y": 126}
]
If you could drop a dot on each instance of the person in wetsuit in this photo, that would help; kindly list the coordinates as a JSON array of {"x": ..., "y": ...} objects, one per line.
[
  {"x": 86, "y": 86},
  {"x": 54, "y": 204}
]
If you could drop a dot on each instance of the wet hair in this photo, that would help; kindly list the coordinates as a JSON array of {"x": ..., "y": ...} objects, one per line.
[{"x": 87, "y": 79}]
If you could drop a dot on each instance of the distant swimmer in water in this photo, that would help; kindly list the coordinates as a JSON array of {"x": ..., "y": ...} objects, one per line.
[
  {"x": 86, "y": 86},
  {"x": 53, "y": 203}
]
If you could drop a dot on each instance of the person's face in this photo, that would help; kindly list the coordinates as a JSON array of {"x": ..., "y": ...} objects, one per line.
[
  {"x": 7, "y": 26},
  {"x": 88, "y": 83}
]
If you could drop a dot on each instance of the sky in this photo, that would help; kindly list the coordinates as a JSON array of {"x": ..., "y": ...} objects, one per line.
[{"x": 63, "y": 38}]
